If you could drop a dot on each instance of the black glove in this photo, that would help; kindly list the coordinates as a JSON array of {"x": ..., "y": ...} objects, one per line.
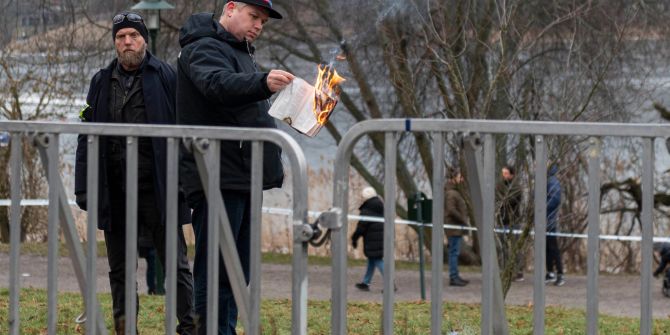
[
  {"x": 354, "y": 243},
  {"x": 81, "y": 200}
]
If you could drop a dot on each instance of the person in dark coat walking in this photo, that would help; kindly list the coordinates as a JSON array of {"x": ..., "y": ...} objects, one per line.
[
  {"x": 146, "y": 250},
  {"x": 136, "y": 87},
  {"x": 663, "y": 250},
  {"x": 219, "y": 84},
  {"x": 455, "y": 213},
  {"x": 553, "y": 205},
  {"x": 373, "y": 235}
]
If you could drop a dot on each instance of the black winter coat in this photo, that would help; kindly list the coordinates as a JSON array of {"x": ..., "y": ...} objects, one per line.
[
  {"x": 510, "y": 196},
  {"x": 158, "y": 88},
  {"x": 665, "y": 259},
  {"x": 372, "y": 232},
  {"x": 218, "y": 84}
]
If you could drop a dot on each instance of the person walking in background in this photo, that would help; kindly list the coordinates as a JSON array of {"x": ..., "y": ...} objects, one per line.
[
  {"x": 146, "y": 250},
  {"x": 553, "y": 205},
  {"x": 510, "y": 196},
  {"x": 455, "y": 213},
  {"x": 373, "y": 235},
  {"x": 663, "y": 251},
  {"x": 136, "y": 87},
  {"x": 219, "y": 84}
]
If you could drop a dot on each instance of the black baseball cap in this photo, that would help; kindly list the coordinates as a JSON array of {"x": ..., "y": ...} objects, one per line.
[{"x": 267, "y": 4}]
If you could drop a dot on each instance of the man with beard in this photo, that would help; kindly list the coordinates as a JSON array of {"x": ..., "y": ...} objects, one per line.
[
  {"x": 136, "y": 87},
  {"x": 219, "y": 84}
]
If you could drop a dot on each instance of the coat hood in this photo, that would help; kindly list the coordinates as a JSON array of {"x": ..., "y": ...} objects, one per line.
[{"x": 202, "y": 25}]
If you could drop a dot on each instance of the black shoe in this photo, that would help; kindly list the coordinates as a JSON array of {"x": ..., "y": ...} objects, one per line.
[
  {"x": 463, "y": 280},
  {"x": 363, "y": 286},
  {"x": 550, "y": 278},
  {"x": 560, "y": 281},
  {"x": 457, "y": 281},
  {"x": 519, "y": 277}
]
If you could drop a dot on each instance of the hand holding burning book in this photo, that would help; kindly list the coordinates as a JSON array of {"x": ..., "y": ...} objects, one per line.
[{"x": 307, "y": 108}]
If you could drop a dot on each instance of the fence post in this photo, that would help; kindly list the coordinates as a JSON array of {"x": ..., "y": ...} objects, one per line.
[
  {"x": 647, "y": 226},
  {"x": 473, "y": 161},
  {"x": 16, "y": 157},
  {"x": 438, "y": 235},
  {"x": 391, "y": 142},
  {"x": 593, "y": 257},
  {"x": 540, "y": 233},
  {"x": 51, "y": 142}
]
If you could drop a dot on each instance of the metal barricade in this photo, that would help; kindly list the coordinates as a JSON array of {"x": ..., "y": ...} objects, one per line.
[
  {"x": 479, "y": 148},
  {"x": 204, "y": 143}
]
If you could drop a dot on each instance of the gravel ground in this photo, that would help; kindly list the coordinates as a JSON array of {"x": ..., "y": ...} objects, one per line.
[{"x": 619, "y": 295}]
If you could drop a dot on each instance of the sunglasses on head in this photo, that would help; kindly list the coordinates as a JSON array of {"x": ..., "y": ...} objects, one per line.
[{"x": 132, "y": 17}]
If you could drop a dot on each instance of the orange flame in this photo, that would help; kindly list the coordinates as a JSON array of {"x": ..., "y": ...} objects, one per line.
[{"x": 327, "y": 91}]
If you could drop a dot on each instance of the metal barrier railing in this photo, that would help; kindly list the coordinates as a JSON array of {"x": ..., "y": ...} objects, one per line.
[
  {"x": 479, "y": 148},
  {"x": 203, "y": 142}
]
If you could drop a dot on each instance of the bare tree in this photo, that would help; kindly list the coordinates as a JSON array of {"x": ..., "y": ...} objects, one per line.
[
  {"x": 43, "y": 76},
  {"x": 483, "y": 59}
]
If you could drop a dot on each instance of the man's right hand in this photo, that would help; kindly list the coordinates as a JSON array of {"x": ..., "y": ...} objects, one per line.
[{"x": 278, "y": 79}]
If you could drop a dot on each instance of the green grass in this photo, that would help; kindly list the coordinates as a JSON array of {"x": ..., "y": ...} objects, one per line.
[
  {"x": 362, "y": 318},
  {"x": 40, "y": 249}
]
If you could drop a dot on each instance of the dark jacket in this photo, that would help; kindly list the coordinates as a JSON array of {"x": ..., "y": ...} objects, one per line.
[
  {"x": 553, "y": 199},
  {"x": 218, "y": 84},
  {"x": 664, "y": 250},
  {"x": 456, "y": 211},
  {"x": 158, "y": 85},
  {"x": 372, "y": 232},
  {"x": 509, "y": 194}
]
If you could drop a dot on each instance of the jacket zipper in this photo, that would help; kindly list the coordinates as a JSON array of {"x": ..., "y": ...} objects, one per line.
[{"x": 253, "y": 59}]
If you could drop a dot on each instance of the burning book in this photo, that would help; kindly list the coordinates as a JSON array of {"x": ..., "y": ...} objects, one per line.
[{"x": 306, "y": 108}]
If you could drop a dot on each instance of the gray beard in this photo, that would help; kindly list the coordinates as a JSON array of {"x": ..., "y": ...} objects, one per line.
[{"x": 130, "y": 59}]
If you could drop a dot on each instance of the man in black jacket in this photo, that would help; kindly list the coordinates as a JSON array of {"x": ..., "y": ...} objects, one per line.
[
  {"x": 219, "y": 84},
  {"x": 510, "y": 196},
  {"x": 136, "y": 87},
  {"x": 373, "y": 235}
]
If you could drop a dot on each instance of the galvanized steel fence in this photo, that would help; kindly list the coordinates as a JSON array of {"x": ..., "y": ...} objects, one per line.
[
  {"x": 204, "y": 143},
  {"x": 479, "y": 148},
  {"x": 479, "y": 151}
]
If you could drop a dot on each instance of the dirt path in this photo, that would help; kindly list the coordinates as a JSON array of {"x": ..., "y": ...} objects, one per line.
[{"x": 619, "y": 295}]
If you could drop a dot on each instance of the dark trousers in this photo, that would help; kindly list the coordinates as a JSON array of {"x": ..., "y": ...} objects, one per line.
[
  {"x": 238, "y": 207},
  {"x": 553, "y": 255},
  {"x": 148, "y": 215},
  {"x": 153, "y": 284},
  {"x": 509, "y": 239}
]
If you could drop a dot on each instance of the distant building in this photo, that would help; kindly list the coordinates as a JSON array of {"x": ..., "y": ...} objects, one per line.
[{"x": 36, "y": 17}]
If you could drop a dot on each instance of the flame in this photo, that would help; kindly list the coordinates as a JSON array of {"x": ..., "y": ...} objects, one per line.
[{"x": 327, "y": 91}]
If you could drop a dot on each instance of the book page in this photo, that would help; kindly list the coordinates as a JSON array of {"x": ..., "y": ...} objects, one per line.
[{"x": 294, "y": 105}]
